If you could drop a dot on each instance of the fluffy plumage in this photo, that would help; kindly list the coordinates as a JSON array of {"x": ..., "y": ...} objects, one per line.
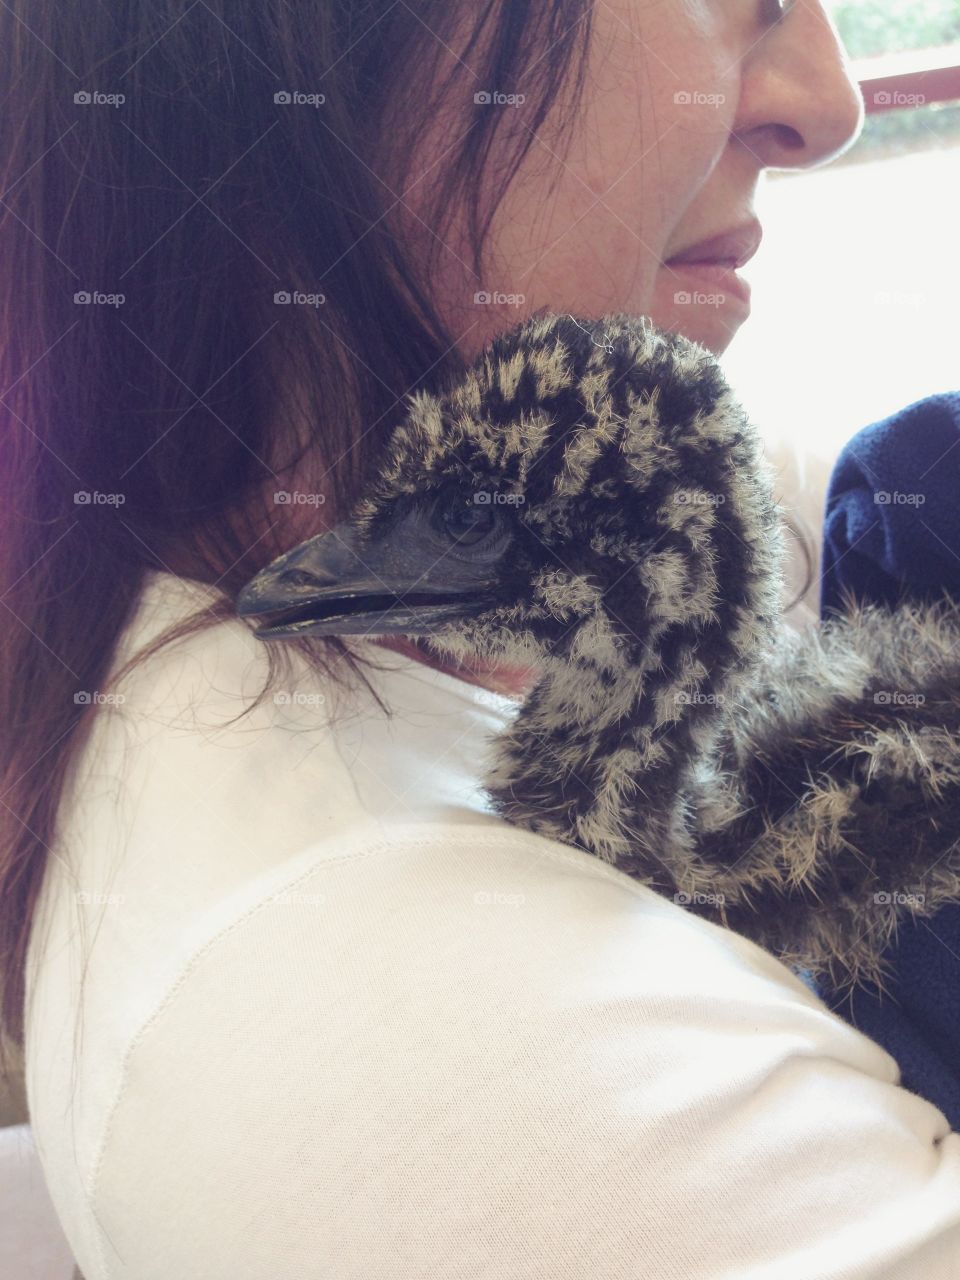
[{"x": 590, "y": 499}]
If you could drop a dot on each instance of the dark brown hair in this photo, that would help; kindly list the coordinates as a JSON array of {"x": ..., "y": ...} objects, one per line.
[
  {"x": 198, "y": 198},
  {"x": 178, "y": 154}
]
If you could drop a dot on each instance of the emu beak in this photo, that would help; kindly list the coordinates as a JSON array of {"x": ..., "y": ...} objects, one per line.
[{"x": 397, "y": 585}]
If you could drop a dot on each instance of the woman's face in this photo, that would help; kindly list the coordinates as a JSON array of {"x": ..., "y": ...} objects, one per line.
[{"x": 685, "y": 102}]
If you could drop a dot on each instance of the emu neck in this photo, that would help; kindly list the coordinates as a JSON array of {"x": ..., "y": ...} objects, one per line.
[{"x": 598, "y": 754}]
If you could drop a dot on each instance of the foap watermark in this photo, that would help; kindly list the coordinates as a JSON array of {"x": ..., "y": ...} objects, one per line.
[
  {"x": 494, "y": 98},
  {"x": 894, "y": 498},
  {"x": 298, "y": 498},
  {"x": 297, "y": 298},
  {"x": 896, "y": 898},
  {"x": 94, "y": 498},
  {"x": 490, "y": 698},
  {"x": 698, "y": 699},
  {"x": 94, "y": 298},
  {"x": 94, "y": 698},
  {"x": 294, "y": 98},
  {"x": 897, "y": 98},
  {"x": 88, "y": 898},
  {"x": 293, "y": 898},
  {"x": 490, "y": 898},
  {"x": 896, "y": 698},
  {"x": 494, "y": 498},
  {"x": 94, "y": 98},
  {"x": 487, "y": 298},
  {"x": 699, "y": 899},
  {"x": 698, "y": 498},
  {"x": 695, "y": 98},
  {"x": 697, "y": 298},
  {"x": 298, "y": 698},
  {"x": 898, "y": 298}
]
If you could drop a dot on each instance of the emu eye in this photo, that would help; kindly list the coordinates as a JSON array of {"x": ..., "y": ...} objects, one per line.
[{"x": 462, "y": 518}]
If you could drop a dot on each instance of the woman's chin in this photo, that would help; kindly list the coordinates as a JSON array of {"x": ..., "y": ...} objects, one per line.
[{"x": 713, "y": 320}]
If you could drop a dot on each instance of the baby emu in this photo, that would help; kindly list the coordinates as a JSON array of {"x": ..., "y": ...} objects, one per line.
[{"x": 590, "y": 500}]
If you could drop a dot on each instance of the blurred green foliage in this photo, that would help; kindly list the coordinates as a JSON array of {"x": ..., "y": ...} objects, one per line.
[
  {"x": 869, "y": 27},
  {"x": 872, "y": 27},
  {"x": 912, "y": 129}
]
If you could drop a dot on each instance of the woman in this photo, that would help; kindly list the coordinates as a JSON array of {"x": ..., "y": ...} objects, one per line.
[{"x": 297, "y": 1003}]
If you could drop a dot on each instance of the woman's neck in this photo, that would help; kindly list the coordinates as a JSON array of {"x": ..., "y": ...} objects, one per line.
[{"x": 511, "y": 681}]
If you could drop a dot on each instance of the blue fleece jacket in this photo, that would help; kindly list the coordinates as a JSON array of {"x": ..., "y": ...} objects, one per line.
[{"x": 892, "y": 532}]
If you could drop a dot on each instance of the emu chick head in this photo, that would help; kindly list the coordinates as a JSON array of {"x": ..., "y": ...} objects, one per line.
[{"x": 587, "y": 494}]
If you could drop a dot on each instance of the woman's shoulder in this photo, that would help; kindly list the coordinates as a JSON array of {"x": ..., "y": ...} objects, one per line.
[
  {"x": 430, "y": 1043},
  {"x": 325, "y": 991}
]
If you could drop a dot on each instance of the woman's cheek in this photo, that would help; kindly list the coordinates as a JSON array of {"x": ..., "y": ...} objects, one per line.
[
  {"x": 704, "y": 102},
  {"x": 695, "y": 51}
]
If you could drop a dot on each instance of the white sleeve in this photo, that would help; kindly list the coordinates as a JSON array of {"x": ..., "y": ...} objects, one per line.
[{"x": 474, "y": 1054}]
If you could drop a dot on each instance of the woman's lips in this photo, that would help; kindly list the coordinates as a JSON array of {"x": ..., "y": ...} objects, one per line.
[
  {"x": 705, "y": 273},
  {"x": 736, "y": 246}
]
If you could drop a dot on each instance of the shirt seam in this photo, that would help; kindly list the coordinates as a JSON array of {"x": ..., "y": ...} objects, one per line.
[{"x": 384, "y": 844}]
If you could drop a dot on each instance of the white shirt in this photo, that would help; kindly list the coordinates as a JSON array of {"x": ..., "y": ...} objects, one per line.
[{"x": 340, "y": 1021}]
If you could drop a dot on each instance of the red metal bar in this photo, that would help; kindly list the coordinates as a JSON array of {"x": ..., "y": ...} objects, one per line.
[{"x": 912, "y": 79}]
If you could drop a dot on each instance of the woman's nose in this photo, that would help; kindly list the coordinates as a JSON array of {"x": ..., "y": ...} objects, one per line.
[{"x": 799, "y": 105}]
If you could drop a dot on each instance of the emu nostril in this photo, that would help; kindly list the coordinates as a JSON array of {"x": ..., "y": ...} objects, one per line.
[{"x": 300, "y": 578}]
